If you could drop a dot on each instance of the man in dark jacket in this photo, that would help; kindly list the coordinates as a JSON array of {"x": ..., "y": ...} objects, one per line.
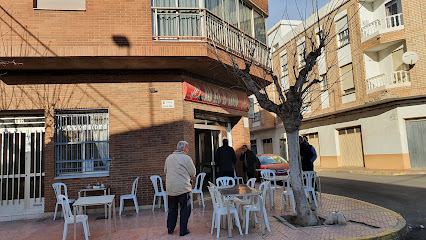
[
  {"x": 306, "y": 155},
  {"x": 249, "y": 160},
  {"x": 225, "y": 159}
]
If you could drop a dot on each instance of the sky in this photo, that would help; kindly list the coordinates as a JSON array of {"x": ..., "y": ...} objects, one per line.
[{"x": 288, "y": 9}]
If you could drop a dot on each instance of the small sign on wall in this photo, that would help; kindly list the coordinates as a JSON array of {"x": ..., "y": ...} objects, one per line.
[
  {"x": 246, "y": 122},
  {"x": 168, "y": 103}
]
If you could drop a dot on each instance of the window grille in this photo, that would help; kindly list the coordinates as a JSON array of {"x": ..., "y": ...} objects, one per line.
[{"x": 81, "y": 143}]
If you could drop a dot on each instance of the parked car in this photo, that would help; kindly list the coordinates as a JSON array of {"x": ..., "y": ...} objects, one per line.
[{"x": 274, "y": 162}]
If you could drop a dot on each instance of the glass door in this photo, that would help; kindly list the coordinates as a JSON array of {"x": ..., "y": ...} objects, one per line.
[{"x": 21, "y": 171}]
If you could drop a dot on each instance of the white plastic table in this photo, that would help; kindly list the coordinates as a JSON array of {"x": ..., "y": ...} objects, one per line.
[
  {"x": 93, "y": 201},
  {"x": 104, "y": 189},
  {"x": 239, "y": 191}
]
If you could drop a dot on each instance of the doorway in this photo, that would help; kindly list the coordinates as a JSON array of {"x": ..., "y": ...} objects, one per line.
[
  {"x": 207, "y": 142},
  {"x": 416, "y": 137},
  {"x": 209, "y": 131},
  {"x": 267, "y": 146},
  {"x": 21, "y": 167}
]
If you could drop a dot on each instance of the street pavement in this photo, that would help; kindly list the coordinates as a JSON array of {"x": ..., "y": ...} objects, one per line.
[{"x": 404, "y": 194}]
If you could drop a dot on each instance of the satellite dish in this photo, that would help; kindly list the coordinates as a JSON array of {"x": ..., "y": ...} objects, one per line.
[{"x": 410, "y": 58}]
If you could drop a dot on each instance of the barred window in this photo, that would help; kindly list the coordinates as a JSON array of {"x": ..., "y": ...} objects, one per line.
[{"x": 82, "y": 143}]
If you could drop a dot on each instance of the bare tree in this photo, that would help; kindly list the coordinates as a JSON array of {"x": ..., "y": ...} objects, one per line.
[{"x": 243, "y": 60}]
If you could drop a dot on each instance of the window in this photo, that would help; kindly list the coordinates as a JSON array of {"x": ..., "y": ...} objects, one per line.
[
  {"x": 173, "y": 22},
  {"x": 259, "y": 27},
  {"x": 284, "y": 65},
  {"x": 245, "y": 18},
  {"x": 284, "y": 71},
  {"x": 342, "y": 30},
  {"x": 231, "y": 15},
  {"x": 391, "y": 8},
  {"x": 301, "y": 53},
  {"x": 253, "y": 146},
  {"x": 324, "y": 82},
  {"x": 81, "y": 143},
  {"x": 254, "y": 110},
  {"x": 347, "y": 78},
  {"x": 60, "y": 4}
]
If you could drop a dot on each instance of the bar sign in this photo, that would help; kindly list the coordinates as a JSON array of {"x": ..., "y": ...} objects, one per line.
[{"x": 168, "y": 103}]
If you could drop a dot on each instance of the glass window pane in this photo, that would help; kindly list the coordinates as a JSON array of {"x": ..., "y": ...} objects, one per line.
[
  {"x": 259, "y": 27},
  {"x": 188, "y": 3},
  {"x": 165, "y": 3},
  {"x": 245, "y": 19},
  {"x": 231, "y": 12},
  {"x": 214, "y": 6}
]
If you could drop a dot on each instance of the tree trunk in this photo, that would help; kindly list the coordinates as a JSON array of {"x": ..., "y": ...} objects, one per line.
[{"x": 305, "y": 216}]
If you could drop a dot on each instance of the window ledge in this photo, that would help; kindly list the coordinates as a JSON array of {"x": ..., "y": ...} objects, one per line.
[
  {"x": 53, "y": 9},
  {"x": 344, "y": 45},
  {"x": 83, "y": 175}
]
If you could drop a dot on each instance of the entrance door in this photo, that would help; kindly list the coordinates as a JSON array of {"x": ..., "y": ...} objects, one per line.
[
  {"x": 351, "y": 152},
  {"x": 21, "y": 171},
  {"x": 416, "y": 136},
  {"x": 267, "y": 146},
  {"x": 207, "y": 143}
]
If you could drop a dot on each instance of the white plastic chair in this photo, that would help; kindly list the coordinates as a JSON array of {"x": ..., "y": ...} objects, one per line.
[
  {"x": 219, "y": 209},
  {"x": 239, "y": 203},
  {"x": 130, "y": 196},
  {"x": 159, "y": 192},
  {"x": 225, "y": 182},
  {"x": 251, "y": 182},
  {"x": 238, "y": 179},
  {"x": 309, "y": 180},
  {"x": 258, "y": 206},
  {"x": 69, "y": 217},
  {"x": 58, "y": 191},
  {"x": 287, "y": 191},
  {"x": 267, "y": 175},
  {"x": 198, "y": 189}
]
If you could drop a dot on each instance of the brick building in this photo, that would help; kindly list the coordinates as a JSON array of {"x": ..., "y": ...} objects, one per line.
[
  {"x": 369, "y": 111},
  {"x": 103, "y": 91}
]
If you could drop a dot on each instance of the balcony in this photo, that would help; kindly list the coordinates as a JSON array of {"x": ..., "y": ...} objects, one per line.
[
  {"x": 388, "y": 80},
  {"x": 198, "y": 24},
  {"x": 380, "y": 26}
]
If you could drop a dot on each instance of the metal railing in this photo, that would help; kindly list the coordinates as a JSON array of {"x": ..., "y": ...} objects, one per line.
[
  {"x": 197, "y": 24},
  {"x": 387, "y": 79},
  {"x": 386, "y": 24}
]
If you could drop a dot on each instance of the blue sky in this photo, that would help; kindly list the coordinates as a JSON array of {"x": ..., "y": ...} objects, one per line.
[{"x": 287, "y": 9}]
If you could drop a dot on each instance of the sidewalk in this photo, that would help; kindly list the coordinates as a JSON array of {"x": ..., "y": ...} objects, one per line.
[{"x": 371, "y": 222}]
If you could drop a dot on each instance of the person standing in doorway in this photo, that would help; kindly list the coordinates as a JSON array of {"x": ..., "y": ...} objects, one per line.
[
  {"x": 314, "y": 157},
  {"x": 225, "y": 159},
  {"x": 306, "y": 155},
  {"x": 179, "y": 169},
  {"x": 249, "y": 160}
]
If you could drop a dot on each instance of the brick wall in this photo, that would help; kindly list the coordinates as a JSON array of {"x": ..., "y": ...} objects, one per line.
[{"x": 142, "y": 134}]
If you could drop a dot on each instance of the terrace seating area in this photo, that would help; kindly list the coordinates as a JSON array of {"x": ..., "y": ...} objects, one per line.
[{"x": 150, "y": 224}]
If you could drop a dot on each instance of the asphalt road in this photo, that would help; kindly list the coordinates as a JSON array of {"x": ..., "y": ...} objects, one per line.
[{"x": 406, "y": 195}]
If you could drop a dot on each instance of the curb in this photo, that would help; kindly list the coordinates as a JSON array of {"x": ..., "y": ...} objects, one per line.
[
  {"x": 372, "y": 172},
  {"x": 399, "y": 230}
]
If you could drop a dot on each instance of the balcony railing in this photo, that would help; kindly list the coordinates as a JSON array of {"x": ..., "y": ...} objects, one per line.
[
  {"x": 195, "y": 24},
  {"x": 390, "y": 23},
  {"x": 388, "y": 79}
]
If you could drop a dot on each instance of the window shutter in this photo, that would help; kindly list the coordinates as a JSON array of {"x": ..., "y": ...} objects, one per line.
[{"x": 347, "y": 77}]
